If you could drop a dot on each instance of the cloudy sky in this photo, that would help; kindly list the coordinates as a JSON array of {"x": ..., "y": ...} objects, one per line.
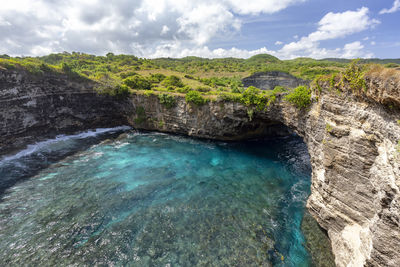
[{"x": 207, "y": 28}]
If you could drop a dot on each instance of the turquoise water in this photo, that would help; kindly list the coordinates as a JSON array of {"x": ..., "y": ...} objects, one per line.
[{"x": 147, "y": 199}]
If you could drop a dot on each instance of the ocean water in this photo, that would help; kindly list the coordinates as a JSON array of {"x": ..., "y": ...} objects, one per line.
[{"x": 149, "y": 199}]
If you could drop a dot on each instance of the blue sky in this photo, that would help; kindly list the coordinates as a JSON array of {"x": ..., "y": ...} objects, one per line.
[
  {"x": 383, "y": 40},
  {"x": 207, "y": 28}
]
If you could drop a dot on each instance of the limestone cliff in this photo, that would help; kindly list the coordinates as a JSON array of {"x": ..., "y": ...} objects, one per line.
[
  {"x": 34, "y": 107},
  {"x": 352, "y": 140}
]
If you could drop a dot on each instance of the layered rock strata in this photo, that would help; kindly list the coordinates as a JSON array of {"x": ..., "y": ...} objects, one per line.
[
  {"x": 34, "y": 107},
  {"x": 270, "y": 79},
  {"x": 352, "y": 140}
]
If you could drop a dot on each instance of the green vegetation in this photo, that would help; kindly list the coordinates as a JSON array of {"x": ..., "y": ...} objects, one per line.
[
  {"x": 138, "y": 83},
  {"x": 200, "y": 79},
  {"x": 354, "y": 75},
  {"x": 140, "y": 115},
  {"x": 300, "y": 97},
  {"x": 328, "y": 128},
  {"x": 167, "y": 100},
  {"x": 195, "y": 98},
  {"x": 252, "y": 96},
  {"x": 173, "y": 81}
]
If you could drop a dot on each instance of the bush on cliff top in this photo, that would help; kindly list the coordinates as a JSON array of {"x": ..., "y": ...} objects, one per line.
[
  {"x": 172, "y": 81},
  {"x": 195, "y": 98},
  {"x": 138, "y": 83},
  {"x": 300, "y": 97},
  {"x": 354, "y": 75},
  {"x": 167, "y": 100}
]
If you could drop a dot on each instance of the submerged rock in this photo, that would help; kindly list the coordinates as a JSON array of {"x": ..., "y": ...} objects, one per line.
[{"x": 317, "y": 242}]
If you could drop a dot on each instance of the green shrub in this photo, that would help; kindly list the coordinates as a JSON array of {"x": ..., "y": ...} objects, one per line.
[
  {"x": 328, "y": 128},
  {"x": 300, "y": 97},
  {"x": 236, "y": 90},
  {"x": 66, "y": 68},
  {"x": 167, "y": 100},
  {"x": 250, "y": 114},
  {"x": 45, "y": 68},
  {"x": 118, "y": 91},
  {"x": 184, "y": 89},
  {"x": 279, "y": 89},
  {"x": 252, "y": 96},
  {"x": 195, "y": 98},
  {"x": 172, "y": 81},
  {"x": 157, "y": 78},
  {"x": 187, "y": 76},
  {"x": 354, "y": 75},
  {"x": 149, "y": 92},
  {"x": 138, "y": 83},
  {"x": 203, "y": 89},
  {"x": 122, "y": 91},
  {"x": 127, "y": 74},
  {"x": 233, "y": 97},
  {"x": 391, "y": 65}
]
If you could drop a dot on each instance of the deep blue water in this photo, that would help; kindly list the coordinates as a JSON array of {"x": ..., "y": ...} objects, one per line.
[{"x": 148, "y": 199}]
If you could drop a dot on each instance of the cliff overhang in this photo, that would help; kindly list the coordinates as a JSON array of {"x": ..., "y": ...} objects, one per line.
[{"x": 352, "y": 138}]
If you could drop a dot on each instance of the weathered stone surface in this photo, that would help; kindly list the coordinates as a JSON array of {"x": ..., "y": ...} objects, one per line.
[
  {"x": 36, "y": 107},
  {"x": 269, "y": 80},
  {"x": 352, "y": 141}
]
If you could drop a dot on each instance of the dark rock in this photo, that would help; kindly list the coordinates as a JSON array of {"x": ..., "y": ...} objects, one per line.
[{"x": 269, "y": 80}]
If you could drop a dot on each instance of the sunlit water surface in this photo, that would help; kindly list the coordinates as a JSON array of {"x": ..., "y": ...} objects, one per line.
[{"x": 147, "y": 199}]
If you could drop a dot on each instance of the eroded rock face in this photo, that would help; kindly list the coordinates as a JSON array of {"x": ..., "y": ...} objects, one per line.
[
  {"x": 356, "y": 178},
  {"x": 36, "y": 107},
  {"x": 352, "y": 141},
  {"x": 269, "y": 80}
]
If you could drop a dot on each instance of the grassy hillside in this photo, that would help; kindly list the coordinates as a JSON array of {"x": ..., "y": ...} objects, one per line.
[{"x": 124, "y": 74}]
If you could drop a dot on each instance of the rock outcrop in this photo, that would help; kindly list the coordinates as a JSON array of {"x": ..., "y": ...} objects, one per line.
[
  {"x": 353, "y": 145},
  {"x": 352, "y": 141},
  {"x": 34, "y": 107},
  {"x": 269, "y": 80}
]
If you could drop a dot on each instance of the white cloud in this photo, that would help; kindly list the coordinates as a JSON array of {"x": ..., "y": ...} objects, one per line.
[
  {"x": 165, "y": 30},
  {"x": 4, "y": 22},
  {"x": 161, "y": 28},
  {"x": 394, "y": 8},
  {"x": 96, "y": 26},
  {"x": 260, "y": 6},
  {"x": 373, "y": 43},
  {"x": 178, "y": 50},
  {"x": 331, "y": 26},
  {"x": 335, "y": 25}
]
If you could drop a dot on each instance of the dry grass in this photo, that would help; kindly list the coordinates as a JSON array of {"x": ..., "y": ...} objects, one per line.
[{"x": 378, "y": 71}]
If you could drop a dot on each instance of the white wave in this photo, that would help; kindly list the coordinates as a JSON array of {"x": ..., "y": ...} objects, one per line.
[{"x": 59, "y": 138}]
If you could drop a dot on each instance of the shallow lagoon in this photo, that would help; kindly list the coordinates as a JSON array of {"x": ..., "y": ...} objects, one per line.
[{"x": 148, "y": 199}]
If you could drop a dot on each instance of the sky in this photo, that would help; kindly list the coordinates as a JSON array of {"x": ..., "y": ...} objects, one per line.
[{"x": 207, "y": 28}]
